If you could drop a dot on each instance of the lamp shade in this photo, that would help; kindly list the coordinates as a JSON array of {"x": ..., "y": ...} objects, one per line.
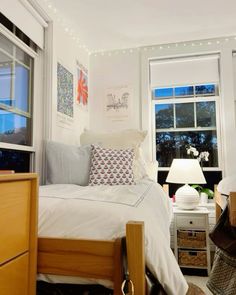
[{"x": 185, "y": 171}]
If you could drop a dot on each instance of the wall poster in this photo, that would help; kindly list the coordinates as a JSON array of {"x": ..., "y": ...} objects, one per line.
[
  {"x": 118, "y": 103},
  {"x": 65, "y": 97},
  {"x": 82, "y": 86}
]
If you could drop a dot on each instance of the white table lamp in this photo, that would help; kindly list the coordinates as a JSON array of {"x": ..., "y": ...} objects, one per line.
[{"x": 186, "y": 171}]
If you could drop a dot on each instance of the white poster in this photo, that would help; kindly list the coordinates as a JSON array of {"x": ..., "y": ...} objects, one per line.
[{"x": 118, "y": 103}]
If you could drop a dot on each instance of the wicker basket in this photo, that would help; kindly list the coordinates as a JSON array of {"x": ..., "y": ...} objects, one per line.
[
  {"x": 191, "y": 238},
  {"x": 192, "y": 258}
]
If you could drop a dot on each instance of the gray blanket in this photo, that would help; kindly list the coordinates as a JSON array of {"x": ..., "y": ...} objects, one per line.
[{"x": 222, "y": 280}]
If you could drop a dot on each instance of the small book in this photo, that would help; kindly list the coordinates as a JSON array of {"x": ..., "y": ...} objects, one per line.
[{"x": 7, "y": 171}]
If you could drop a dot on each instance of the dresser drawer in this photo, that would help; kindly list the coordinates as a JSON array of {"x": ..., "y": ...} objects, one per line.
[
  {"x": 190, "y": 221},
  {"x": 14, "y": 218},
  {"x": 14, "y": 276}
]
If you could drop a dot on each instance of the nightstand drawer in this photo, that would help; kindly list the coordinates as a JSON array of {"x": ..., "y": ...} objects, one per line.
[
  {"x": 191, "y": 239},
  {"x": 190, "y": 221},
  {"x": 14, "y": 218},
  {"x": 192, "y": 258}
]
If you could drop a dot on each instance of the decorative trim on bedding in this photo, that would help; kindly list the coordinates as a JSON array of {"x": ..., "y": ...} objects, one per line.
[{"x": 121, "y": 195}]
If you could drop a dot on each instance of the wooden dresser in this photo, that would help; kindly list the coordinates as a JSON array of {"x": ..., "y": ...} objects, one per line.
[{"x": 18, "y": 233}]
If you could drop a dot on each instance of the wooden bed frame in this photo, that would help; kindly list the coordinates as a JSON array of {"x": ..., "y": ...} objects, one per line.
[
  {"x": 96, "y": 259},
  {"x": 232, "y": 206}
]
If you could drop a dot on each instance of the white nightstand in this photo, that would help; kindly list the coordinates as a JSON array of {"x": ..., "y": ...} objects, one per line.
[{"x": 191, "y": 242}]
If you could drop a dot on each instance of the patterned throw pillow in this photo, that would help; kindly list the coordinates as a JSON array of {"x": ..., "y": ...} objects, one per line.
[{"x": 111, "y": 166}]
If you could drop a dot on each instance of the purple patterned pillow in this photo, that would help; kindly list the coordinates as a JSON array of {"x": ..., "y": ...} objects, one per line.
[{"x": 111, "y": 166}]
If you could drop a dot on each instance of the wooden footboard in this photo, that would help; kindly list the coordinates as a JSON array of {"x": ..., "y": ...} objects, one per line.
[{"x": 95, "y": 258}]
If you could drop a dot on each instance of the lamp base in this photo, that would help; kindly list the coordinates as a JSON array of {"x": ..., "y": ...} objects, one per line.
[{"x": 187, "y": 197}]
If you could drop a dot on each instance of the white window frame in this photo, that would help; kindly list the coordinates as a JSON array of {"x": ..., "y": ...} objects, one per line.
[
  {"x": 9, "y": 146},
  {"x": 188, "y": 99}
]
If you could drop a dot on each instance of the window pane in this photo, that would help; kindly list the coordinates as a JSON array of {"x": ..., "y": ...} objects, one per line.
[
  {"x": 22, "y": 56},
  {"x": 170, "y": 145},
  {"x": 21, "y": 88},
  {"x": 6, "y": 45},
  {"x": 6, "y": 75},
  {"x": 163, "y": 92},
  {"x": 14, "y": 160},
  {"x": 184, "y": 91},
  {"x": 184, "y": 115},
  {"x": 208, "y": 89},
  {"x": 14, "y": 128},
  {"x": 164, "y": 116},
  {"x": 206, "y": 114}
]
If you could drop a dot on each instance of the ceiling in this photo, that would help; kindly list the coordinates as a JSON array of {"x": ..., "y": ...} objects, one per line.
[{"x": 116, "y": 24}]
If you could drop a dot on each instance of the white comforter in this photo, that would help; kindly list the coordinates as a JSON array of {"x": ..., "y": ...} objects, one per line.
[{"x": 101, "y": 212}]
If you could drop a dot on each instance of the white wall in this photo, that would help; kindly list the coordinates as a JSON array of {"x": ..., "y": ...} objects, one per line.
[
  {"x": 66, "y": 53},
  {"x": 132, "y": 67},
  {"x": 59, "y": 47},
  {"x": 113, "y": 71}
]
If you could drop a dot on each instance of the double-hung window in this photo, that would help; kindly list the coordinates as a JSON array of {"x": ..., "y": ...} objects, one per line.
[
  {"x": 185, "y": 107},
  {"x": 16, "y": 83}
]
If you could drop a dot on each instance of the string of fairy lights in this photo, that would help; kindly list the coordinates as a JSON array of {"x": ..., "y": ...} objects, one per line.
[{"x": 61, "y": 20}]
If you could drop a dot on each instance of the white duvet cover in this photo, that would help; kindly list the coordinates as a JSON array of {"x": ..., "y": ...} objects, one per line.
[{"x": 101, "y": 212}]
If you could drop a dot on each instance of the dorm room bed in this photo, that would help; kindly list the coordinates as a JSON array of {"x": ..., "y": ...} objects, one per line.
[
  {"x": 99, "y": 215},
  {"x": 76, "y": 206}
]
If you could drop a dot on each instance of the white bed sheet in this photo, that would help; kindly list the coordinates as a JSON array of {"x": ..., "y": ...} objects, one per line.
[{"x": 101, "y": 212}]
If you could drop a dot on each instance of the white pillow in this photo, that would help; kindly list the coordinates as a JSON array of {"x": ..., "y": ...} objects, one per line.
[
  {"x": 227, "y": 185},
  {"x": 129, "y": 138},
  {"x": 152, "y": 170},
  {"x": 67, "y": 164},
  {"x": 124, "y": 139}
]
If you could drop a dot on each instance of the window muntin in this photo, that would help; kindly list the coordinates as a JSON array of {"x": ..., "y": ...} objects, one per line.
[
  {"x": 15, "y": 95},
  {"x": 186, "y": 119}
]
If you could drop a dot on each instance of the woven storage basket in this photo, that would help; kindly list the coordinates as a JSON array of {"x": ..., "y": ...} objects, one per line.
[
  {"x": 192, "y": 258},
  {"x": 191, "y": 238}
]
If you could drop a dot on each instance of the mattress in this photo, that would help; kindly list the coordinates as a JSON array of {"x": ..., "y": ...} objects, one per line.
[{"x": 101, "y": 212}]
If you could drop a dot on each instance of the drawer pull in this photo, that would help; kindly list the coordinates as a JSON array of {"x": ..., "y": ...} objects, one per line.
[{"x": 190, "y": 222}]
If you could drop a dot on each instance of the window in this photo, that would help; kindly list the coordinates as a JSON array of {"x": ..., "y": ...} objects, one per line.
[
  {"x": 185, "y": 114},
  {"x": 16, "y": 84},
  {"x": 15, "y": 94}
]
